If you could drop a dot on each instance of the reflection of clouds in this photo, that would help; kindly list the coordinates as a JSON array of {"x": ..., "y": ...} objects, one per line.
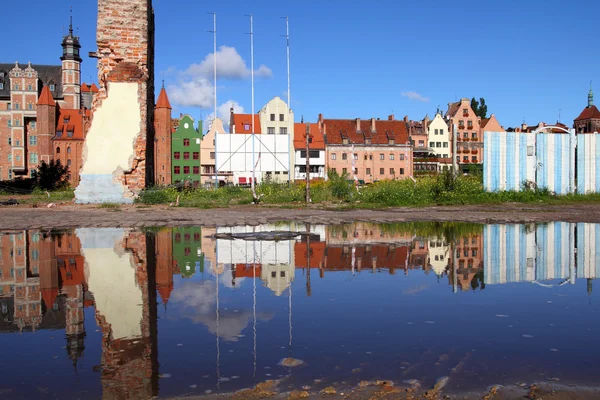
[
  {"x": 226, "y": 278},
  {"x": 199, "y": 300}
]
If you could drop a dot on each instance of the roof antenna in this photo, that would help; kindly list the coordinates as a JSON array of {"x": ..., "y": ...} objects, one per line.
[{"x": 71, "y": 20}]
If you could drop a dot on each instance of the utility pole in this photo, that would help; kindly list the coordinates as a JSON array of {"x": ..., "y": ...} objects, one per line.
[
  {"x": 308, "y": 163},
  {"x": 252, "y": 75},
  {"x": 289, "y": 100}
]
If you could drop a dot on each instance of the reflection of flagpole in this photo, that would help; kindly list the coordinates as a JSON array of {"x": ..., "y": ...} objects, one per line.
[
  {"x": 254, "y": 309},
  {"x": 218, "y": 350}
]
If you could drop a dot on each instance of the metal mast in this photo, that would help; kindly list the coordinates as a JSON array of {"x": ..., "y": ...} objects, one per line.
[{"x": 214, "y": 32}]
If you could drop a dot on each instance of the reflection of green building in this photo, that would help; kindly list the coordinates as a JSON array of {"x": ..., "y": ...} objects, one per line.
[
  {"x": 187, "y": 251},
  {"x": 185, "y": 148}
]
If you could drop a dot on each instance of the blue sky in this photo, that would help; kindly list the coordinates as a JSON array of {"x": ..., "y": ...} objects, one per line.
[{"x": 528, "y": 59}]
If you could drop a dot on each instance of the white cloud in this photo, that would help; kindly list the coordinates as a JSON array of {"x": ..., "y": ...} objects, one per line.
[
  {"x": 415, "y": 96},
  {"x": 223, "y": 112},
  {"x": 230, "y": 65},
  {"x": 198, "y": 92}
]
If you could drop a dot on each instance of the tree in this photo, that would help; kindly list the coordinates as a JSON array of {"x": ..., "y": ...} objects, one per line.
[
  {"x": 51, "y": 176},
  {"x": 479, "y": 107}
]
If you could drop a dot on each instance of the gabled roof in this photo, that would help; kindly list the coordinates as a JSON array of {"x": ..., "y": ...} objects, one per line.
[
  {"x": 87, "y": 88},
  {"x": 46, "y": 98},
  {"x": 484, "y": 122},
  {"x": 243, "y": 123},
  {"x": 46, "y": 73},
  {"x": 71, "y": 121},
  {"x": 163, "y": 100},
  {"x": 589, "y": 113},
  {"x": 340, "y": 129},
  {"x": 315, "y": 134},
  {"x": 452, "y": 109}
]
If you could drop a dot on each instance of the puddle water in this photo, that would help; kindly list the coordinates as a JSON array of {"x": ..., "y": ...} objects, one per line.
[{"x": 121, "y": 313}]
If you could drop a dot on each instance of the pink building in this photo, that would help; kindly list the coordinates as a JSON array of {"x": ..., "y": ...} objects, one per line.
[
  {"x": 463, "y": 122},
  {"x": 372, "y": 150}
]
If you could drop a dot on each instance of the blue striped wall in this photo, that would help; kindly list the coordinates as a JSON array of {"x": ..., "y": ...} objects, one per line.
[
  {"x": 588, "y": 250},
  {"x": 506, "y": 163},
  {"x": 553, "y": 162},
  {"x": 588, "y": 163},
  {"x": 509, "y": 253}
]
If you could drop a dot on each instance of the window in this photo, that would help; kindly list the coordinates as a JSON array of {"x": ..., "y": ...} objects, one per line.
[
  {"x": 272, "y": 117},
  {"x": 29, "y": 87},
  {"x": 368, "y": 171},
  {"x": 392, "y": 171},
  {"x": 186, "y": 142},
  {"x": 10, "y": 174},
  {"x": 281, "y": 117},
  {"x": 435, "y": 132},
  {"x": 186, "y": 169},
  {"x": 177, "y": 169},
  {"x": 474, "y": 252},
  {"x": 9, "y": 159},
  {"x": 470, "y": 124},
  {"x": 32, "y": 140},
  {"x": 465, "y": 111},
  {"x": 332, "y": 169},
  {"x": 196, "y": 237},
  {"x": 421, "y": 143},
  {"x": 186, "y": 155},
  {"x": 68, "y": 150},
  {"x": 391, "y": 157},
  {"x": 445, "y": 144},
  {"x": 30, "y": 106},
  {"x": 381, "y": 171},
  {"x": 441, "y": 131},
  {"x": 474, "y": 158},
  {"x": 271, "y": 130},
  {"x": 344, "y": 170},
  {"x": 370, "y": 156},
  {"x": 401, "y": 157},
  {"x": 10, "y": 141},
  {"x": 178, "y": 238},
  {"x": 431, "y": 144},
  {"x": 438, "y": 144},
  {"x": 16, "y": 86},
  {"x": 33, "y": 158},
  {"x": 196, "y": 169},
  {"x": 466, "y": 135},
  {"x": 33, "y": 124},
  {"x": 344, "y": 140},
  {"x": 333, "y": 156},
  {"x": 466, "y": 158},
  {"x": 246, "y": 127},
  {"x": 212, "y": 155},
  {"x": 1, "y": 85},
  {"x": 474, "y": 135},
  {"x": 381, "y": 156},
  {"x": 68, "y": 163},
  {"x": 356, "y": 171},
  {"x": 196, "y": 155},
  {"x": 355, "y": 156},
  {"x": 18, "y": 158},
  {"x": 8, "y": 106},
  {"x": 283, "y": 131},
  {"x": 17, "y": 106},
  {"x": 401, "y": 171},
  {"x": 344, "y": 156},
  {"x": 177, "y": 155},
  {"x": 58, "y": 150},
  {"x": 17, "y": 142},
  {"x": 52, "y": 87},
  {"x": 58, "y": 134}
]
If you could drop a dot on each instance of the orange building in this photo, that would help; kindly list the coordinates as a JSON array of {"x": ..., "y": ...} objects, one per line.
[{"x": 465, "y": 125}]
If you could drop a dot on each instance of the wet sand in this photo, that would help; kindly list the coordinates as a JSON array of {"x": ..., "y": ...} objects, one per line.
[{"x": 70, "y": 216}]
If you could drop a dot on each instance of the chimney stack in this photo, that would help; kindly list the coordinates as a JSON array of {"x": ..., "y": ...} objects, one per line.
[
  {"x": 357, "y": 124},
  {"x": 391, "y": 117},
  {"x": 373, "y": 125}
]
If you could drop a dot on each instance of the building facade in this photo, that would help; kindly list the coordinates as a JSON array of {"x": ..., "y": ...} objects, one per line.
[
  {"x": 207, "y": 152},
  {"x": 316, "y": 152},
  {"x": 186, "y": 152},
  {"x": 440, "y": 142},
  {"x": 369, "y": 151},
  {"x": 463, "y": 123}
]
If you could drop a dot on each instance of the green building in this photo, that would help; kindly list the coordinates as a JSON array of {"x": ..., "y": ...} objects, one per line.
[
  {"x": 185, "y": 148},
  {"x": 187, "y": 251}
]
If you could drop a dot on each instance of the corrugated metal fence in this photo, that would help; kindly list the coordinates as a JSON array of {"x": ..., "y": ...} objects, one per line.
[{"x": 562, "y": 163}]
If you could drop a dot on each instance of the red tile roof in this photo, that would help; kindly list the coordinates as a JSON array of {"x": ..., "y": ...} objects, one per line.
[
  {"x": 86, "y": 88},
  {"x": 243, "y": 121},
  {"x": 71, "y": 121},
  {"x": 248, "y": 270},
  {"x": 165, "y": 292},
  {"x": 589, "y": 113},
  {"x": 49, "y": 296},
  {"x": 163, "y": 100},
  {"x": 484, "y": 122},
  {"x": 46, "y": 97},
  {"x": 315, "y": 134},
  {"x": 338, "y": 129}
]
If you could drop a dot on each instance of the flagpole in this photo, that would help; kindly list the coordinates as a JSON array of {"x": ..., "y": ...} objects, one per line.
[{"x": 214, "y": 32}]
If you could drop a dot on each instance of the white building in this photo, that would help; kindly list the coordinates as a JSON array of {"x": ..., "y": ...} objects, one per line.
[
  {"x": 316, "y": 152},
  {"x": 439, "y": 139},
  {"x": 270, "y": 133}
]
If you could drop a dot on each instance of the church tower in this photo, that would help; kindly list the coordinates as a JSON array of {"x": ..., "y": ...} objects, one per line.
[{"x": 71, "y": 70}]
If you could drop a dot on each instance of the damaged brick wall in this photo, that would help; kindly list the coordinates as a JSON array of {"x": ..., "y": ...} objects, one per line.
[{"x": 125, "y": 39}]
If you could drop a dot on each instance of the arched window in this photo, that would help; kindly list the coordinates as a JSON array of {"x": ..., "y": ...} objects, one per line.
[
  {"x": 58, "y": 150},
  {"x": 68, "y": 150}
]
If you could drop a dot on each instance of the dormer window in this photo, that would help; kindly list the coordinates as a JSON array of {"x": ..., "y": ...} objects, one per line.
[
  {"x": 345, "y": 140},
  {"x": 58, "y": 134},
  {"x": 52, "y": 87},
  {"x": 246, "y": 127},
  {"x": 367, "y": 141},
  {"x": 69, "y": 133},
  {"x": 66, "y": 120},
  {"x": 391, "y": 141},
  {"x": 1, "y": 85}
]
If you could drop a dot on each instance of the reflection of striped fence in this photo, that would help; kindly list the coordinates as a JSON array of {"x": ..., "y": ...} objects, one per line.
[
  {"x": 513, "y": 253},
  {"x": 560, "y": 162}
]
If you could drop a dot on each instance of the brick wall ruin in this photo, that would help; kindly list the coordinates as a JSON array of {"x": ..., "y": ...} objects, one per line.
[{"x": 119, "y": 147}]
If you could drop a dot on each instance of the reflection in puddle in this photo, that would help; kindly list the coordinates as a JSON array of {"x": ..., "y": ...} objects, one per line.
[{"x": 480, "y": 304}]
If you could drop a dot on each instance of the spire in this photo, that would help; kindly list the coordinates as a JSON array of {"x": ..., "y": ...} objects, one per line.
[
  {"x": 71, "y": 21},
  {"x": 163, "y": 99},
  {"x": 590, "y": 96},
  {"x": 70, "y": 43}
]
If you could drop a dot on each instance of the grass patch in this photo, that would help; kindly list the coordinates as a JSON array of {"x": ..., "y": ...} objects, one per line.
[
  {"x": 110, "y": 206},
  {"x": 339, "y": 193},
  {"x": 38, "y": 196}
]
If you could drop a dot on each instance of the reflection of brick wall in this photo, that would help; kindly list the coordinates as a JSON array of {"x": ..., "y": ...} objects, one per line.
[
  {"x": 130, "y": 365},
  {"x": 468, "y": 258}
]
